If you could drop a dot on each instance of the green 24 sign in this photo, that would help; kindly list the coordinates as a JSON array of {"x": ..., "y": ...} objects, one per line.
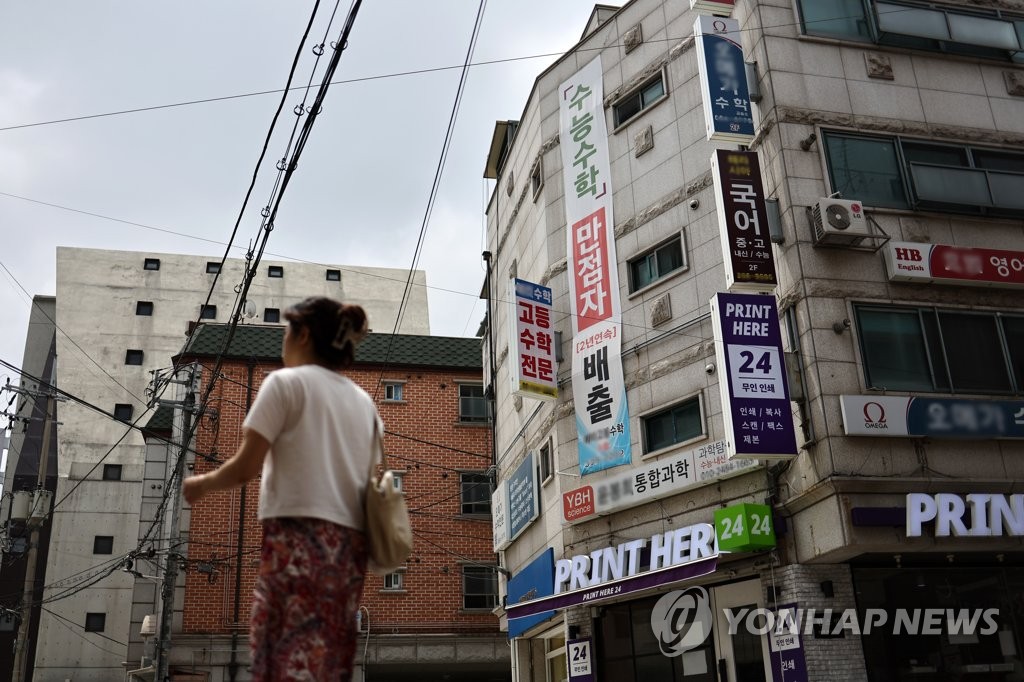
[{"x": 744, "y": 527}]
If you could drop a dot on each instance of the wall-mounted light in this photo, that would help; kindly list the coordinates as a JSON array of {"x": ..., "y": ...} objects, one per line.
[
  {"x": 806, "y": 143},
  {"x": 840, "y": 327}
]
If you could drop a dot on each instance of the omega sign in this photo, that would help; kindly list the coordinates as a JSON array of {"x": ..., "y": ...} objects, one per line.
[
  {"x": 974, "y": 515},
  {"x": 874, "y": 416}
]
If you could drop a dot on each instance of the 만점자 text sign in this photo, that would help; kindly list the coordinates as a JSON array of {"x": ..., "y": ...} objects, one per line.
[
  {"x": 723, "y": 80},
  {"x": 743, "y": 221},
  {"x": 752, "y": 379},
  {"x": 961, "y": 265},
  {"x": 535, "y": 374},
  {"x": 909, "y": 417}
]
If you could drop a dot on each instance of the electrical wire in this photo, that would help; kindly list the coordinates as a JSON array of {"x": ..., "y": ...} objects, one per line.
[{"x": 73, "y": 626}]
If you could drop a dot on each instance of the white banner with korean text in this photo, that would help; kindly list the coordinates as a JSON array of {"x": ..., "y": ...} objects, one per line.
[
  {"x": 534, "y": 375},
  {"x": 599, "y": 392}
]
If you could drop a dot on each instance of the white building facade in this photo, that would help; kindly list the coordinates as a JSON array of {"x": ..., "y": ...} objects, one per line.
[
  {"x": 890, "y": 140},
  {"x": 121, "y": 316}
]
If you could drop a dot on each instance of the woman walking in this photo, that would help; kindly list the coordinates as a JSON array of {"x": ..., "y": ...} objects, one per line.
[{"x": 311, "y": 432}]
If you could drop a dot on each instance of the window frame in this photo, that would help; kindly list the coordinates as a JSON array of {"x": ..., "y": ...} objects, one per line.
[
  {"x": 213, "y": 267},
  {"x": 333, "y": 275},
  {"x": 537, "y": 177},
  {"x": 546, "y": 461},
  {"x": 391, "y": 385},
  {"x": 393, "y": 576},
  {"x": 638, "y": 91},
  {"x": 668, "y": 408},
  {"x": 106, "y": 540},
  {"x": 635, "y": 290},
  {"x": 151, "y": 264},
  {"x": 275, "y": 271},
  {"x": 141, "y": 307},
  {"x": 467, "y": 571},
  {"x": 463, "y": 418},
  {"x": 272, "y": 312},
  {"x": 912, "y": 200},
  {"x": 134, "y": 354},
  {"x": 109, "y": 471},
  {"x": 120, "y": 409},
  {"x": 474, "y": 507},
  {"x": 940, "y": 366},
  {"x": 95, "y": 622},
  {"x": 207, "y": 311}
]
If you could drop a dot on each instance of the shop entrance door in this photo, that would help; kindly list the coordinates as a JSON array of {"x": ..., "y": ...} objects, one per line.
[{"x": 743, "y": 656}]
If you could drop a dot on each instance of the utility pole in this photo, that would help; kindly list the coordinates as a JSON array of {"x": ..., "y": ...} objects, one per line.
[
  {"x": 37, "y": 516},
  {"x": 163, "y": 646}
]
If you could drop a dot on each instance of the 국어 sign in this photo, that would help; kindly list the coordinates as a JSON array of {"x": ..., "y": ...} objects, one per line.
[
  {"x": 753, "y": 384},
  {"x": 743, "y": 221}
]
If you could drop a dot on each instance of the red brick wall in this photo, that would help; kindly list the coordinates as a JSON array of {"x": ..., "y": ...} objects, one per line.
[{"x": 432, "y": 581}]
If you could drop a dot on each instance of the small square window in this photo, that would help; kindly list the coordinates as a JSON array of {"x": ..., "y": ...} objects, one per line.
[
  {"x": 657, "y": 263},
  {"x": 111, "y": 472},
  {"x": 393, "y": 581},
  {"x": 642, "y": 98},
  {"x": 476, "y": 493},
  {"x": 479, "y": 587},
  {"x": 396, "y": 480},
  {"x": 275, "y": 271},
  {"x": 472, "y": 404},
  {"x": 334, "y": 275},
  {"x": 392, "y": 391},
  {"x": 133, "y": 357},
  {"x": 103, "y": 544},
  {"x": 208, "y": 312},
  {"x": 679, "y": 423},
  {"x": 271, "y": 314},
  {"x": 213, "y": 268},
  {"x": 151, "y": 264},
  {"x": 123, "y": 411},
  {"x": 95, "y": 622},
  {"x": 144, "y": 308}
]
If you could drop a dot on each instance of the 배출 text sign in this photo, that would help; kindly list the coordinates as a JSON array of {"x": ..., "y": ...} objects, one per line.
[{"x": 752, "y": 376}]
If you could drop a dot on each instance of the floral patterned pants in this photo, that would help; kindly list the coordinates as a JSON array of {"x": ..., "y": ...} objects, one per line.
[{"x": 304, "y": 605}]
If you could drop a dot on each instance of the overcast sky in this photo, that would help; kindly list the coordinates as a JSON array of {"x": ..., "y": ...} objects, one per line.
[{"x": 363, "y": 182}]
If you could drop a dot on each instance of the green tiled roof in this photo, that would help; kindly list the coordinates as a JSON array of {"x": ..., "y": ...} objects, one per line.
[
  {"x": 263, "y": 342},
  {"x": 162, "y": 420}
]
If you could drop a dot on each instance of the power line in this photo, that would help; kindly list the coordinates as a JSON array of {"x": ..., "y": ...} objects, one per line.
[{"x": 69, "y": 623}]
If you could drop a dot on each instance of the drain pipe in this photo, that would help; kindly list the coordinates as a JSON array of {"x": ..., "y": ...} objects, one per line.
[{"x": 233, "y": 664}]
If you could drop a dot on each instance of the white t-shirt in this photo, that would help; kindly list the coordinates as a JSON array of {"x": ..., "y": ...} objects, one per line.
[{"x": 320, "y": 427}]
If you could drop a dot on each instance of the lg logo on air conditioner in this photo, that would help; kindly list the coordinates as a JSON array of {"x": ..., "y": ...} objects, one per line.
[{"x": 681, "y": 620}]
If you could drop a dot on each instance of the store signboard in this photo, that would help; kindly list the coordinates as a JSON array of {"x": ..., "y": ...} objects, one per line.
[
  {"x": 598, "y": 388},
  {"x": 723, "y": 80},
  {"x": 743, "y": 221},
  {"x": 744, "y": 527},
  {"x": 960, "y": 265},
  {"x": 786, "y": 648},
  {"x": 653, "y": 480},
  {"x": 522, "y": 496},
  {"x": 984, "y": 515},
  {"x": 499, "y": 516},
  {"x": 612, "y": 572},
  {"x": 535, "y": 372},
  {"x": 917, "y": 416},
  {"x": 752, "y": 379},
  {"x": 579, "y": 654},
  {"x": 535, "y": 581},
  {"x": 721, "y": 7}
]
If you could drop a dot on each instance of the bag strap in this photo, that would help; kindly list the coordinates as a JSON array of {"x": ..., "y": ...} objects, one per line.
[{"x": 378, "y": 441}]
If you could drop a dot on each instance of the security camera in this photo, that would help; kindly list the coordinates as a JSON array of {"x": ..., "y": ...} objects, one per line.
[
  {"x": 694, "y": 203},
  {"x": 709, "y": 368}
]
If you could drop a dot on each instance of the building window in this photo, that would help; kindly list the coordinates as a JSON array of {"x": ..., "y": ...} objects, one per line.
[
  {"x": 905, "y": 173},
  {"x": 936, "y": 350},
  {"x": 547, "y": 468},
  {"x": 659, "y": 262},
  {"x": 103, "y": 544},
  {"x": 393, "y": 581},
  {"x": 133, "y": 357},
  {"x": 472, "y": 403},
  {"x": 151, "y": 264},
  {"x": 213, "y": 268},
  {"x": 677, "y": 424},
  {"x": 396, "y": 479},
  {"x": 208, "y": 312},
  {"x": 8, "y": 621},
  {"x": 271, "y": 314},
  {"x": 123, "y": 411},
  {"x": 95, "y": 622},
  {"x": 144, "y": 308},
  {"x": 476, "y": 493},
  {"x": 392, "y": 391},
  {"x": 924, "y": 26},
  {"x": 275, "y": 271},
  {"x": 479, "y": 587},
  {"x": 537, "y": 178},
  {"x": 640, "y": 99},
  {"x": 111, "y": 472},
  {"x": 334, "y": 275}
]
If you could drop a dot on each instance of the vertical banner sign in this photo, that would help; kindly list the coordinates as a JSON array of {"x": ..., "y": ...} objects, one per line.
[
  {"x": 598, "y": 389},
  {"x": 743, "y": 221},
  {"x": 522, "y": 496},
  {"x": 499, "y": 516},
  {"x": 578, "y": 654},
  {"x": 535, "y": 373},
  {"x": 752, "y": 377},
  {"x": 723, "y": 80},
  {"x": 787, "y": 652}
]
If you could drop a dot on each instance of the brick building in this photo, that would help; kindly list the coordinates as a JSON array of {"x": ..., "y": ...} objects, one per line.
[{"x": 433, "y": 617}]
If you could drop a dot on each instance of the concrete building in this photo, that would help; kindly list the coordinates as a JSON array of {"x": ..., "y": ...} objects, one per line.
[
  {"x": 889, "y": 139},
  {"x": 431, "y": 619},
  {"x": 120, "y": 316}
]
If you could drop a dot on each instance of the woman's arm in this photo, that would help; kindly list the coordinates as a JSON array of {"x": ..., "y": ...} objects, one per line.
[{"x": 240, "y": 469}]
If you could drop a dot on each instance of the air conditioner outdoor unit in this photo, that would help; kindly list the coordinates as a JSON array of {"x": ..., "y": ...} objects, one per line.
[{"x": 840, "y": 222}]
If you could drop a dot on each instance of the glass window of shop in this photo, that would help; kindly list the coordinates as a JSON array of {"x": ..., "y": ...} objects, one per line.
[
  {"x": 627, "y": 650},
  {"x": 959, "y": 653}
]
